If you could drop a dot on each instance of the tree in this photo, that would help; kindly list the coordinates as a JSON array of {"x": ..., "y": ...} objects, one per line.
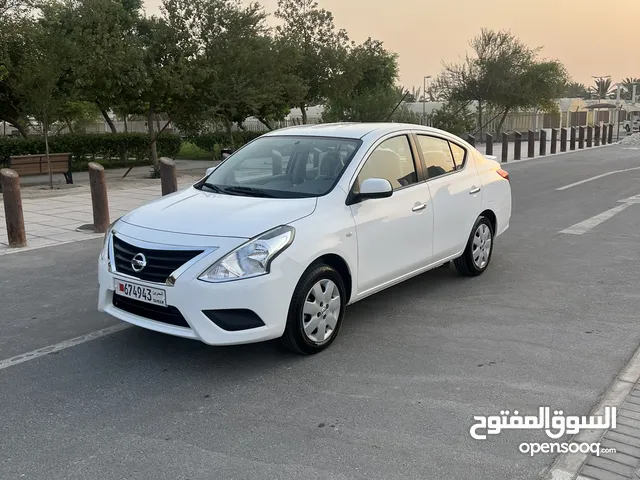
[
  {"x": 576, "y": 90},
  {"x": 454, "y": 117},
  {"x": 602, "y": 88},
  {"x": 368, "y": 91},
  {"x": 628, "y": 84},
  {"x": 14, "y": 45},
  {"x": 42, "y": 78},
  {"x": 170, "y": 69},
  {"x": 76, "y": 114},
  {"x": 504, "y": 75},
  {"x": 106, "y": 54},
  {"x": 320, "y": 49}
]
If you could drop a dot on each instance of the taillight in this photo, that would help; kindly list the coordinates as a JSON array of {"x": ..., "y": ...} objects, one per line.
[{"x": 503, "y": 173}]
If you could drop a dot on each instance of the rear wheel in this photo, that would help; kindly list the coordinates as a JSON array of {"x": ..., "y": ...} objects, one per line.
[
  {"x": 477, "y": 255},
  {"x": 316, "y": 311}
]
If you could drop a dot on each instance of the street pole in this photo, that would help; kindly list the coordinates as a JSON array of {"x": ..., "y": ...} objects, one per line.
[
  {"x": 619, "y": 105},
  {"x": 424, "y": 99}
]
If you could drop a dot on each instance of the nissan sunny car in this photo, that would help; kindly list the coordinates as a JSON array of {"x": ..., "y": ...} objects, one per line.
[{"x": 280, "y": 237}]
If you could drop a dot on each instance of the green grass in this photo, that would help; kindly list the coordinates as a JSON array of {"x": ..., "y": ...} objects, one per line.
[{"x": 189, "y": 151}]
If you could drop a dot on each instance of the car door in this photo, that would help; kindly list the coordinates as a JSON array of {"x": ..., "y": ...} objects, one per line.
[
  {"x": 394, "y": 234},
  {"x": 455, "y": 189}
]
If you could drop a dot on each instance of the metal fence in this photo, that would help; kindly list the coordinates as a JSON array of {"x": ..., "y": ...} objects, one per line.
[{"x": 517, "y": 121}]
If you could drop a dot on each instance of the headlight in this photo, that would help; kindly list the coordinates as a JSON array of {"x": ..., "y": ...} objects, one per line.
[
  {"x": 251, "y": 259},
  {"x": 105, "y": 244}
]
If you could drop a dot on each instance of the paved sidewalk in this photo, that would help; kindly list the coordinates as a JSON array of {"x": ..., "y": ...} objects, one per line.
[
  {"x": 625, "y": 438},
  {"x": 54, "y": 217}
]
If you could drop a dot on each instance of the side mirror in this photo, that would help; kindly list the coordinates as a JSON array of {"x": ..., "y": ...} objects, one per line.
[
  {"x": 209, "y": 171},
  {"x": 375, "y": 188}
]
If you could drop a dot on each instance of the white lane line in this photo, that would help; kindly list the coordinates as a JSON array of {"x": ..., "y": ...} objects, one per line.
[
  {"x": 596, "y": 178},
  {"x": 25, "y": 357},
  {"x": 589, "y": 223}
]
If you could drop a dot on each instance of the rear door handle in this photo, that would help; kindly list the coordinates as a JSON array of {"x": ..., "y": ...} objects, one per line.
[
  {"x": 419, "y": 207},
  {"x": 474, "y": 190}
]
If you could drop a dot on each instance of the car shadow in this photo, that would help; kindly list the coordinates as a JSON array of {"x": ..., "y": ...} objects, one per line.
[{"x": 157, "y": 348}]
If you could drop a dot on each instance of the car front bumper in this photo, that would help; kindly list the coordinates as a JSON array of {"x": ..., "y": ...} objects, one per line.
[{"x": 228, "y": 313}]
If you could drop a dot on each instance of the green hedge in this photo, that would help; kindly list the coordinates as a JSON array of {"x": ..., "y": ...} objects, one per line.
[
  {"x": 117, "y": 149},
  {"x": 110, "y": 149},
  {"x": 213, "y": 142}
]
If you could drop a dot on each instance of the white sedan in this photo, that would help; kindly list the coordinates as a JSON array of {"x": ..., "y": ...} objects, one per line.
[{"x": 286, "y": 232}]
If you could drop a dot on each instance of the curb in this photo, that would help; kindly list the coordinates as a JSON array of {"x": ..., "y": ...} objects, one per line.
[{"x": 567, "y": 465}]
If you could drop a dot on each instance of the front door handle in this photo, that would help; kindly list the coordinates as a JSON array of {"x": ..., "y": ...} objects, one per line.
[
  {"x": 419, "y": 207},
  {"x": 474, "y": 190}
]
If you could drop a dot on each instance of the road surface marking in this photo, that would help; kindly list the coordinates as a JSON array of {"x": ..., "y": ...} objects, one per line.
[
  {"x": 25, "y": 357},
  {"x": 596, "y": 178},
  {"x": 589, "y": 223}
]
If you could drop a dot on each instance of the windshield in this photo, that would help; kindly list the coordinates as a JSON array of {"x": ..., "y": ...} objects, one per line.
[{"x": 283, "y": 167}]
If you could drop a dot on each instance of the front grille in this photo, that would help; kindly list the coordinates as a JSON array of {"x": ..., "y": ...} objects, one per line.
[
  {"x": 160, "y": 263},
  {"x": 170, "y": 315}
]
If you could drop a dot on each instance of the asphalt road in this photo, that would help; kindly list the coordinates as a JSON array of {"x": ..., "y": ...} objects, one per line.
[{"x": 549, "y": 324}]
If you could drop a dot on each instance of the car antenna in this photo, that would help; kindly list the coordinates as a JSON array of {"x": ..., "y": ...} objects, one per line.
[{"x": 396, "y": 107}]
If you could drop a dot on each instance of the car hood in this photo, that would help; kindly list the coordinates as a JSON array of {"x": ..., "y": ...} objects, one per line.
[{"x": 196, "y": 212}]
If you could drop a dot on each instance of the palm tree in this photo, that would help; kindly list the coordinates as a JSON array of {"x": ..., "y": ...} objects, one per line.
[
  {"x": 627, "y": 84},
  {"x": 576, "y": 90},
  {"x": 602, "y": 88}
]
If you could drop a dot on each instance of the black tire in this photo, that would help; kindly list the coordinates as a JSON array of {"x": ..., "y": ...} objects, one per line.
[
  {"x": 465, "y": 264},
  {"x": 294, "y": 337}
]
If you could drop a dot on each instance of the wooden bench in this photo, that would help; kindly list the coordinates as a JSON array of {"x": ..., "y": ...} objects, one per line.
[{"x": 29, "y": 165}]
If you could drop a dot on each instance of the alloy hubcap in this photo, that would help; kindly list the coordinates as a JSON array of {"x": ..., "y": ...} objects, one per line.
[
  {"x": 321, "y": 311},
  {"x": 481, "y": 246}
]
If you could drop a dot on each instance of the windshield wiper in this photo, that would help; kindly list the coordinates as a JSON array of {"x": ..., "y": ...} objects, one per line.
[
  {"x": 255, "y": 192},
  {"x": 211, "y": 186}
]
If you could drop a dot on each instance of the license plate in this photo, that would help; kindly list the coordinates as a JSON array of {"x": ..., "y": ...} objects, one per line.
[{"x": 142, "y": 293}]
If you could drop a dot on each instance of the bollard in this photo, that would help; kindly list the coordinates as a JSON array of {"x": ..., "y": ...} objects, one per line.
[
  {"x": 168, "y": 179},
  {"x": 471, "y": 140},
  {"x": 13, "y": 208},
  {"x": 517, "y": 146},
  {"x": 99, "y": 199},
  {"x": 563, "y": 139},
  {"x": 505, "y": 147},
  {"x": 572, "y": 141},
  {"x": 531, "y": 144},
  {"x": 596, "y": 136},
  {"x": 610, "y": 138},
  {"x": 604, "y": 134},
  {"x": 489, "y": 147},
  {"x": 589, "y": 136},
  {"x": 543, "y": 142},
  {"x": 554, "y": 140},
  {"x": 581, "y": 137}
]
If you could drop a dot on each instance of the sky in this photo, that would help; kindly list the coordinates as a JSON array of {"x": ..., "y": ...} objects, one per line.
[{"x": 424, "y": 33}]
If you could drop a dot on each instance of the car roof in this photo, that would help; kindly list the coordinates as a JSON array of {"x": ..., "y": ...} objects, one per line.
[{"x": 353, "y": 130}]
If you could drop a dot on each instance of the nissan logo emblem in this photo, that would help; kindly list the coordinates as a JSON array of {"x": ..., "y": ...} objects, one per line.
[{"x": 138, "y": 262}]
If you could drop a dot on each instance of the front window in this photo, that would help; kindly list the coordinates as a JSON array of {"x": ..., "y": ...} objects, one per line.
[{"x": 283, "y": 167}]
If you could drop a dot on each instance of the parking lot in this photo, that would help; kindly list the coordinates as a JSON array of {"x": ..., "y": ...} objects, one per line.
[{"x": 550, "y": 323}]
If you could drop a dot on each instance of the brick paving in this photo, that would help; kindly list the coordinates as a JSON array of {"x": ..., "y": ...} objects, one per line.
[{"x": 625, "y": 438}]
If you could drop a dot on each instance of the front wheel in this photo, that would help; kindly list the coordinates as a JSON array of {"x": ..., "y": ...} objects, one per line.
[
  {"x": 316, "y": 311},
  {"x": 477, "y": 255}
]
